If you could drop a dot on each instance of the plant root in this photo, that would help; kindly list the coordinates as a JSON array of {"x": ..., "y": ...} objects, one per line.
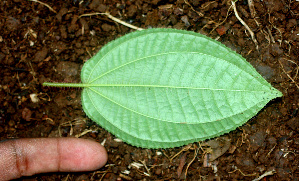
[
  {"x": 264, "y": 175},
  {"x": 114, "y": 19},
  {"x": 251, "y": 8},
  {"x": 288, "y": 74},
  {"x": 217, "y": 25},
  {"x": 245, "y": 175},
  {"x": 198, "y": 13},
  {"x": 50, "y": 8},
  {"x": 195, "y": 155},
  {"x": 244, "y": 24},
  {"x": 184, "y": 149}
]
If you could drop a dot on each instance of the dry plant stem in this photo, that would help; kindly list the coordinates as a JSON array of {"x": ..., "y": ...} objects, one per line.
[
  {"x": 251, "y": 8},
  {"x": 288, "y": 75},
  {"x": 244, "y": 24},
  {"x": 264, "y": 175},
  {"x": 114, "y": 19},
  {"x": 144, "y": 164},
  {"x": 51, "y": 9}
]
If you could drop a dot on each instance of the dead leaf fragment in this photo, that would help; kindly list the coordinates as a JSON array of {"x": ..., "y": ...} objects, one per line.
[
  {"x": 219, "y": 147},
  {"x": 34, "y": 98}
]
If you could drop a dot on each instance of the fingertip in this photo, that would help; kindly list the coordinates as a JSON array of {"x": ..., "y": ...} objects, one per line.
[
  {"x": 82, "y": 154},
  {"x": 100, "y": 157}
]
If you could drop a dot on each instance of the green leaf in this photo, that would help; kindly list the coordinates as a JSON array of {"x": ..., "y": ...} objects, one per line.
[{"x": 161, "y": 88}]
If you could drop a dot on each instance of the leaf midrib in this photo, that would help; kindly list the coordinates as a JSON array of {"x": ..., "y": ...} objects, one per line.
[{"x": 170, "y": 87}]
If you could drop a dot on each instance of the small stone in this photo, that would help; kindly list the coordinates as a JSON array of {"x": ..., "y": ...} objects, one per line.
[
  {"x": 272, "y": 140},
  {"x": 276, "y": 50},
  {"x": 12, "y": 23},
  {"x": 266, "y": 71},
  {"x": 26, "y": 114},
  {"x": 294, "y": 124},
  {"x": 2, "y": 56},
  {"x": 221, "y": 30},
  {"x": 1, "y": 129},
  {"x": 106, "y": 27},
  {"x": 94, "y": 4},
  {"x": 132, "y": 11},
  {"x": 83, "y": 177},
  {"x": 291, "y": 23},
  {"x": 68, "y": 69},
  {"x": 61, "y": 12},
  {"x": 158, "y": 171},
  {"x": 63, "y": 31},
  {"x": 257, "y": 140},
  {"x": 283, "y": 111},
  {"x": 102, "y": 8},
  {"x": 244, "y": 160},
  {"x": 41, "y": 55},
  {"x": 185, "y": 20},
  {"x": 11, "y": 123}
]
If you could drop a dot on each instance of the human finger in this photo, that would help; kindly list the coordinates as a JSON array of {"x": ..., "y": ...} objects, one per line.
[{"x": 25, "y": 157}]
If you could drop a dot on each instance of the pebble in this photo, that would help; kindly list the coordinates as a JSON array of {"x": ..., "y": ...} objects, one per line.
[
  {"x": 291, "y": 23},
  {"x": 41, "y": 55},
  {"x": 294, "y": 124},
  {"x": 272, "y": 140},
  {"x": 68, "y": 69},
  {"x": 266, "y": 71},
  {"x": 26, "y": 114},
  {"x": 257, "y": 140},
  {"x": 2, "y": 56},
  {"x": 12, "y": 23},
  {"x": 94, "y": 4},
  {"x": 185, "y": 20},
  {"x": 61, "y": 12},
  {"x": 106, "y": 27},
  {"x": 245, "y": 161},
  {"x": 276, "y": 50}
]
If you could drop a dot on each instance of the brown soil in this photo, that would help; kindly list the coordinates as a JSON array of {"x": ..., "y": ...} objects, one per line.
[{"x": 39, "y": 45}]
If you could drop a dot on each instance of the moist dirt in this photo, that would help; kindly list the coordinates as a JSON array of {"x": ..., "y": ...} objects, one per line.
[{"x": 38, "y": 44}]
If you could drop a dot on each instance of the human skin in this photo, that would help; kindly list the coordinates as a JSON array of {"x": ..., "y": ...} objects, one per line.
[{"x": 26, "y": 157}]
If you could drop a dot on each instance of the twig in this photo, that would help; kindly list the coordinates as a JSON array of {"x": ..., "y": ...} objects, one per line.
[
  {"x": 244, "y": 24},
  {"x": 114, "y": 19},
  {"x": 264, "y": 175},
  {"x": 288, "y": 74},
  {"x": 51, "y": 9}
]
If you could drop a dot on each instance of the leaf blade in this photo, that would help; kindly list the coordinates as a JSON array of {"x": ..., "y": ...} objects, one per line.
[{"x": 156, "y": 98}]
